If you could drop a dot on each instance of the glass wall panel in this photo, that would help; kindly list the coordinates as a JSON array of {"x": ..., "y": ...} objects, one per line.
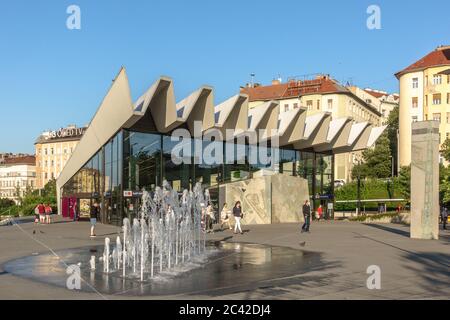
[
  {"x": 236, "y": 162},
  {"x": 287, "y": 162},
  {"x": 142, "y": 160},
  {"x": 108, "y": 167},
  {"x": 178, "y": 171}
]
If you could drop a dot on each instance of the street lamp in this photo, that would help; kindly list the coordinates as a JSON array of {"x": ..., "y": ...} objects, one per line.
[{"x": 357, "y": 161}]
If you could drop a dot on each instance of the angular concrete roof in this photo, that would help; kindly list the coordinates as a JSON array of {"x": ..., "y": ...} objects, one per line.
[{"x": 157, "y": 111}]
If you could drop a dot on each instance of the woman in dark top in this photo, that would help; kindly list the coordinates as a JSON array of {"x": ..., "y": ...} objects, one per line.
[
  {"x": 94, "y": 214},
  {"x": 237, "y": 213}
]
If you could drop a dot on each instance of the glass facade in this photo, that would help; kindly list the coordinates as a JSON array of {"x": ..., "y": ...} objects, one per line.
[{"x": 133, "y": 161}]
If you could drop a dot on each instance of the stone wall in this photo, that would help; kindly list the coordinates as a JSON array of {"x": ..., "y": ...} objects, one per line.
[{"x": 268, "y": 199}]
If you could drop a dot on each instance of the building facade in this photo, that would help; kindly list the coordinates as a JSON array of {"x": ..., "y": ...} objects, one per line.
[
  {"x": 424, "y": 95},
  {"x": 322, "y": 94},
  {"x": 17, "y": 177},
  {"x": 381, "y": 100},
  {"x": 53, "y": 149},
  {"x": 131, "y": 147}
]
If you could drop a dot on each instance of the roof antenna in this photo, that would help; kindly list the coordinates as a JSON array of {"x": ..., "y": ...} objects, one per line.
[{"x": 252, "y": 82}]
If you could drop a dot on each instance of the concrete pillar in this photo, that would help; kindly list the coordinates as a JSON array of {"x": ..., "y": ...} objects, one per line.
[
  {"x": 404, "y": 124},
  {"x": 425, "y": 180}
]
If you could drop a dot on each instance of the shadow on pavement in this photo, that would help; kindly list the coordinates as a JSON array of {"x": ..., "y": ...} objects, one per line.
[
  {"x": 388, "y": 229},
  {"x": 433, "y": 269}
]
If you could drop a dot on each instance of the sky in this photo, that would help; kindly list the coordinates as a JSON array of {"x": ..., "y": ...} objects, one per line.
[{"x": 51, "y": 76}]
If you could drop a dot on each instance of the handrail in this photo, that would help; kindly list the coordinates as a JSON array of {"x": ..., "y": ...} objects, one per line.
[
  {"x": 2, "y": 213},
  {"x": 370, "y": 200}
]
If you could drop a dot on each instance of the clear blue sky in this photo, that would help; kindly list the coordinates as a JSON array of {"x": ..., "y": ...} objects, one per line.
[{"x": 51, "y": 76}]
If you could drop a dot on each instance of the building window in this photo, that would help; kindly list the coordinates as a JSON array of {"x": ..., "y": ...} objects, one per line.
[
  {"x": 437, "y": 117},
  {"x": 318, "y": 104},
  {"x": 415, "y": 102},
  {"x": 296, "y": 105},
  {"x": 309, "y": 104},
  {"x": 437, "y": 98},
  {"x": 415, "y": 83},
  {"x": 437, "y": 79},
  {"x": 45, "y": 151},
  {"x": 45, "y": 175},
  {"x": 286, "y": 107},
  {"x": 448, "y": 98},
  {"x": 51, "y": 151},
  {"x": 330, "y": 103}
]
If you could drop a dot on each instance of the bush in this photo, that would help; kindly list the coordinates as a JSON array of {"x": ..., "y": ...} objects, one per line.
[
  {"x": 374, "y": 217},
  {"x": 370, "y": 189}
]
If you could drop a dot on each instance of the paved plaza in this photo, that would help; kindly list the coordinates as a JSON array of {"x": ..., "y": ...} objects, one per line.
[{"x": 410, "y": 269}]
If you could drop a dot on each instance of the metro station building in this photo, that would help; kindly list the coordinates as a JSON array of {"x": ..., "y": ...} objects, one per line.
[{"x": 128, "y": 147}]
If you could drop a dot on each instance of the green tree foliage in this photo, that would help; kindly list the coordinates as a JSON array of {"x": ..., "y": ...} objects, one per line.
[
  {"x": 370, "y": 189},
  {"x": 392, "y": 128},
  {"x": 5, "y": 205},
  {"x": 404, "y": 180},
  {"x": 444, "y": 185},
  {"x": 445, "y": 149},
  {"x": 376, "y": 161},
  {"x": 32, "y": 198}
]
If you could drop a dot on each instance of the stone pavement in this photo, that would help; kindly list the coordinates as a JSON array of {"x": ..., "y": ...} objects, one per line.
[{"x": 410, "y": 269}]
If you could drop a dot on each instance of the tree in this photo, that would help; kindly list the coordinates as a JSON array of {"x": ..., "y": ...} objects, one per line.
[
  {"x": 392, "y": 129},
  {"x": 376, "y": 161},
  {"x": 50, "y": 189},
  {"x": 445, "y": 149},
  {"x": 404, "y": 181}
]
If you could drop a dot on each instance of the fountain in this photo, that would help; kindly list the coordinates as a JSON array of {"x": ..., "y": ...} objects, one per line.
[
  {"x": 163, "y": 251},
  {"x": 167, "y": 232}
]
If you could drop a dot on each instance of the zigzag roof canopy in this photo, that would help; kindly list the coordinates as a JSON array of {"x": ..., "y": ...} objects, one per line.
[{"x": 158, "y": 111}]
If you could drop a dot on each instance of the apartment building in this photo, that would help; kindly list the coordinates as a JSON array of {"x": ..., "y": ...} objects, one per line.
[
  {"x": 319, "y": 94},
  {"x": 17, "y": 176},
  {"x": 53, "y": 149},
  {"x": 424, "y": 95}
]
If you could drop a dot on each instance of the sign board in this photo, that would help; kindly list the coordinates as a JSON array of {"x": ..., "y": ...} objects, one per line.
[
  {"x": 64, "y": 132},
  {"x": 128, "y": 193}
]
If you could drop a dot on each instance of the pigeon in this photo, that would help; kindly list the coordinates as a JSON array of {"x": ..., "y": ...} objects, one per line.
[
  {"x": 34, "y": 231},
  {"x": 41, "y": 231},
  {"x": 302, "y": 244}
]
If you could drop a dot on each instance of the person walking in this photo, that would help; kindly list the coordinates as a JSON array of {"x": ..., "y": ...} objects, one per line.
[
  {"x": 210, "y": 218},
  {"x": 319, "y": 213},
  {"x": 306, "y": 215},
  {"x": 41, "y": 209},
  {"x": 444, "y": 216},
  {"x": 238, "y": 215},
  {"x": 93, "y": 215},
  {"x": 225, "y": 217},
  {"x": 48, "y": 211},
  {"x": 36, "y": 214}
]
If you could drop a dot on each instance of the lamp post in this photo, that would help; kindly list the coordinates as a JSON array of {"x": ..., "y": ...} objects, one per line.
[{"x": 357, "y": 161}]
